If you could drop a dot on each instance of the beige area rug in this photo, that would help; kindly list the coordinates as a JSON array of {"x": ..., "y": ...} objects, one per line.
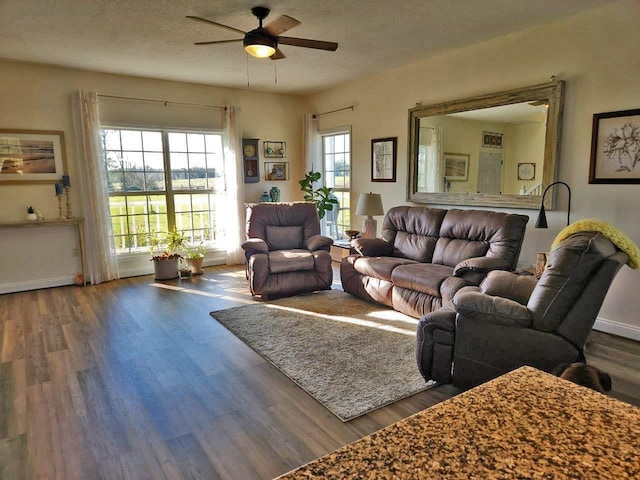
[{"x": 350, "y": 355}]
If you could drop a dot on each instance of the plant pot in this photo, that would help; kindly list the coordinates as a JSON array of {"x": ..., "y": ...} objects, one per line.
[
  {"x": 195, "y": 264},
  {"x": 32, "y": 216},
  {"x": 165, "y": 268}
]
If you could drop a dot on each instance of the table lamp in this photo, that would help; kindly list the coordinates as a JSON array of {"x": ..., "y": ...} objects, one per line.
[
  {"x": 369, "y": 204},
  {"x": 541, "y": 222}
]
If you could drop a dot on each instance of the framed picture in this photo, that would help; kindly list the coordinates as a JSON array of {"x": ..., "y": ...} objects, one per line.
[
  {"x": 383, "y": 159},
  {"x": 275, "y": 149},
  {"x": 456, "y": 166},
  {"x": 32, "y": 156},
  {"x": 526, "y": 171},
  {"x": 276, "y": 171},
  {"x": 615, "y": 147},
  {"x": 492, "y": 140}
]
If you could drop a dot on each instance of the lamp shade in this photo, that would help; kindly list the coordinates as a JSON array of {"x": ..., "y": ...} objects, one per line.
[
  {"x": 370, "y": 204},
  {"x": 258, "y": 44},
  {"x": 541, "y": 222}
]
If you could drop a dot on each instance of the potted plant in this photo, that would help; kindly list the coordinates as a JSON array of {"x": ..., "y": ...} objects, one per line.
[
  {"x": 165, "y": 261},
  {"x": 320, "y": 196},
  {"x": 31, "y": 213},
  {"x": 194, "y": 257}
]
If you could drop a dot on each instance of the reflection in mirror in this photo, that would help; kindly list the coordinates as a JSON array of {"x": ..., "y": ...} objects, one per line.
[{"x": 494, "y": 150}]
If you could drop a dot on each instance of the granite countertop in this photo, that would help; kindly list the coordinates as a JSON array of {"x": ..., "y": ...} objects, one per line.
[{"x": 525, "y": 424}]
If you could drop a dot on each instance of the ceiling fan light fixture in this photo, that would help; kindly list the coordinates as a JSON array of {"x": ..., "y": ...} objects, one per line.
[{"x": 259, "y": 45}]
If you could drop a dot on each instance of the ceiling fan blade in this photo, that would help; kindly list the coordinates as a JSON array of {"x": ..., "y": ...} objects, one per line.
[
  {"x": 200, "y": 19},
  {"x": 304, "y": 42},
  {"x": 281, "y": 25},
  {"x": 218, "y": 41},
  {"x": 278, "y": 55}
]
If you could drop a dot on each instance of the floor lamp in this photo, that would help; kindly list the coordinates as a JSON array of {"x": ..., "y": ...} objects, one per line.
[
  {"x": 541, "y": 222},
  {"x": 369, "y": 204}
]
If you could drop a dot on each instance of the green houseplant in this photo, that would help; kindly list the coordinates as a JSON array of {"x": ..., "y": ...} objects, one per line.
[
  {"x": 320, "y": 196},
  {"x": 164, "y": 252}
]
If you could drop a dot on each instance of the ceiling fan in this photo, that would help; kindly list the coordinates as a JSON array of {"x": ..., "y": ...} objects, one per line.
[{"x": 262, "y": 42}]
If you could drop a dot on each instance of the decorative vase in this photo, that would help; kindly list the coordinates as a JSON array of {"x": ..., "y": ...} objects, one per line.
[
  {"x": 274, "y": 194},
  {"x": 265, "y": 197},
  {"x": 32, "y": 216}
]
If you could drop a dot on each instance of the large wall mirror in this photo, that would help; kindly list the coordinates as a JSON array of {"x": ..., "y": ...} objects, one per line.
[{"x": 496, "y": 150}]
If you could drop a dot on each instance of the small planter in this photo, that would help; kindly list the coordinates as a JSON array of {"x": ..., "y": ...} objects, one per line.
[
  {"x": 166, "y": 268},
  {"x": 196, "y": 264},
  {"x": 32, "y": 216}
]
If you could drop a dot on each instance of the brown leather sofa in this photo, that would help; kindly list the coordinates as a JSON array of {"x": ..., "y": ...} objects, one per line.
[
  {"x": 425, "y": 255},
  {"x": 285, "y": 252},
  {"x": 512, "y": 320}
]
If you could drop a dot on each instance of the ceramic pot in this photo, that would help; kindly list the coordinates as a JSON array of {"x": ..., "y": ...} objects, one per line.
[
  {"x": 166, "y": 268},
  {"x": 195, "y": 264},
  {"x": 265, "y": 197},
  {"x": 274, "y": 194},
  {"x": 32, "y": 216}
]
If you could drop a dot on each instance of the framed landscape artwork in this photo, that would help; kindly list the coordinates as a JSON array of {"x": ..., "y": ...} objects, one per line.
[
  {"x": 456, "y": 166},
  {"x": 383, "y": 159},
  {"x": 32, "y": 156},
  {"x": 615, "y": 147}
]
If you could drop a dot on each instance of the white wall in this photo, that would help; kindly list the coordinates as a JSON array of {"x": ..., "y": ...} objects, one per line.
[
  {"x": 595, "y": 53},
  {"x": 39, "y": 97}
]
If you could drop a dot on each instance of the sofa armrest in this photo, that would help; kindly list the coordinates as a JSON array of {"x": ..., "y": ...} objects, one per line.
[
  {"x": 372, "y": 247},
  {"x": 479, "y": 265},
  {"x": 496, "y": 310},
  {"x": 509, "y": 285},
  {"x": 319, "y": 242},
  {"x": 255, "y": 245}
]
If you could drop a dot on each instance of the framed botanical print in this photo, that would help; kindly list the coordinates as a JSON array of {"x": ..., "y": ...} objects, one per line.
[
  {"x": 615, "y": 147},
  {"x": 384, "y": 159}
]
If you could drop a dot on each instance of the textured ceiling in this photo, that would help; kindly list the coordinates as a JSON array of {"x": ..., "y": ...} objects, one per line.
[{"x": 152, "y": 38}]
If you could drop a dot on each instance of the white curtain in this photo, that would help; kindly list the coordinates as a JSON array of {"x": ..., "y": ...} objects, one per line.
[
  {"x": 101, "y": 261},
  {"x": 431, "y": 141},
  {"x": 234, "y": 215},
  {"x": 312, "y": 145}
]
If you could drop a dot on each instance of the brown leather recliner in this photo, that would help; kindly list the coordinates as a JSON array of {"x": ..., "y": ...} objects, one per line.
[
  {"x": 511, "y": 320},
  {"x": 285, "y": 252},
  {"x": 425, "y": 255}
]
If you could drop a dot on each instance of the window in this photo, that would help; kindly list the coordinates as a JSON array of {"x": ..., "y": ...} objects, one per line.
[
  {"x": 336, "y": 155},
  {"x": 161, "y": 179}
]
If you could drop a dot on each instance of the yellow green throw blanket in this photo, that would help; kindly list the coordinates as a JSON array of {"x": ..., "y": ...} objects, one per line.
[{"x": 618, "y": 238}]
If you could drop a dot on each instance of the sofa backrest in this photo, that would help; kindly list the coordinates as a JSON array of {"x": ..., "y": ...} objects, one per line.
[
  {"x": 446, "y": 237},
  {"x": 480, "y": 233},
  {"x": 413, "y": 231},
  {"x": 570, "y": 292},
  {"x": 283, "y": 226}
]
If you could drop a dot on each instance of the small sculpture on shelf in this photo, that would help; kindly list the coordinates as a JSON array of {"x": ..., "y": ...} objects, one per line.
[{"x": 31, "y": 213}]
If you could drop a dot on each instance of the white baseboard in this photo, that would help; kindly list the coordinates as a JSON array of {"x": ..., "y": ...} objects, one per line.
[
  {"x": 37, "y": 284},
  {"x": 617, "y": 328}
]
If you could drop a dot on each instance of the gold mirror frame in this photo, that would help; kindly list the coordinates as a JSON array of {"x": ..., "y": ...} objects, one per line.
[{"x": 551, "y": 92}]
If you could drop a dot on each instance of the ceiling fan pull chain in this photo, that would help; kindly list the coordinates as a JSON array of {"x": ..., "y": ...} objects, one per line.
[
  {"x": 275, "y": 72},
  {"x": 247, "y": 55}
]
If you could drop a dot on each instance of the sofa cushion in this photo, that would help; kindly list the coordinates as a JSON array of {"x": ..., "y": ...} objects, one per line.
[
  {"x": 290, "y": 261},
  {"x": 421, "y": 277},
  {"x": 494, "y": 234},
  {"x": 379, "y": 267},
  {"x": 412, "y": 231},
  {"x": 284, "y": 238}
]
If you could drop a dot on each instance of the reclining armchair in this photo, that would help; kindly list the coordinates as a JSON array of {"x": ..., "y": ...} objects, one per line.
[
  {"x": 285, "y": 252},
  {"x": 513, "y": 320}
]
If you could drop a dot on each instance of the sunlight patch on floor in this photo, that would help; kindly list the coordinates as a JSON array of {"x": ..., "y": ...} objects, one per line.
[
  {"x": 393, "y": 316},
  {"x": 186, "y": 290},
  {"x": 344, "y": 319}
]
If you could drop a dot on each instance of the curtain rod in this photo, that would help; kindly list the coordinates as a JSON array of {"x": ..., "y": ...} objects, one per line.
[
  {"x": 166, "y": 102},
  {"x": 350, "y": 107}
]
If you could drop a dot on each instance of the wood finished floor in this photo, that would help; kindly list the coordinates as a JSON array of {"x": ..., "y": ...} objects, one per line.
[{"x": 132, "y": 379}]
